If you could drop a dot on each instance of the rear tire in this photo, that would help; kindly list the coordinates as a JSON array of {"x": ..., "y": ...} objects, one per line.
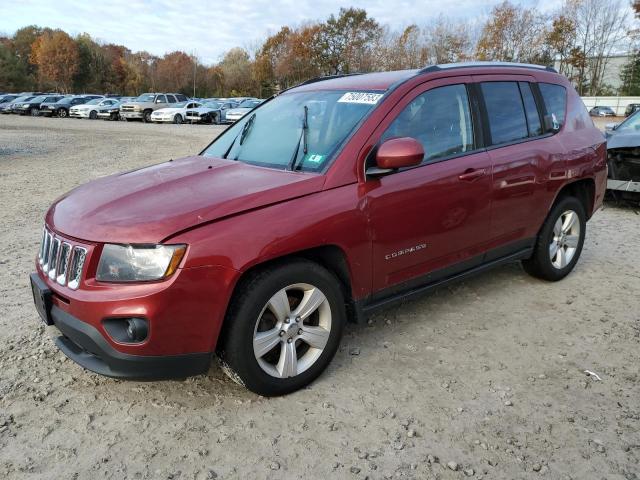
[
  {"x": 559, "y": 242},
  {"x": 282, "y": 327}
]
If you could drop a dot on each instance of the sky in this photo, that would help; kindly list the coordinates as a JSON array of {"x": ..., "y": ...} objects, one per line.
[{"x": 207, "y": 29}]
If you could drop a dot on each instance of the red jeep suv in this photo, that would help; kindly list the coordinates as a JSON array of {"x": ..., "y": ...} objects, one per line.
[{"x": 329, "y": 200}]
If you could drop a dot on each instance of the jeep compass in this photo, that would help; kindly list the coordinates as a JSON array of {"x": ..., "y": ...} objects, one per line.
[{"x": 328, "y": 201}]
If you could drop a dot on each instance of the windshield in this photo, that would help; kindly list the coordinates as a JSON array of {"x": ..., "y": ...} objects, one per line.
[
  {"x": 276, "y": 134},
  {"x": 213, "y": 104},
  {"x": 39, "y": 99},
  {"x": 23, "y": 98},
  {"x": 178, "y": 105},
  {"x": 631, "y": 124},
  {"x": 95, "y": 101},
  {"x": 146, "y": 97}
]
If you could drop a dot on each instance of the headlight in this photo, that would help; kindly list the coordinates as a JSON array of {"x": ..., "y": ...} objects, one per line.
[
  {"x": 25, "y": 105},
  {"x": 140, "y": 263}
]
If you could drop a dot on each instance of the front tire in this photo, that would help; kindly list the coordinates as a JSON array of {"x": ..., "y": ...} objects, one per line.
[
  {"x": 62, "y": 113},
  {"x": 93, "y": 115},
  {"x": 559, "y": 242},
  {"x": 177, "y": 119},
  {"x": 146, "y": 116},
  {"x": 283, "y": 327},
  {"x": 34, "y": 112}
]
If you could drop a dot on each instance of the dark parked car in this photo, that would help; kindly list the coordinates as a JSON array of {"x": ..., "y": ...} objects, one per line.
[
  {"x": 8, "y": 107},
  {"x": 623, "y": 148},
  {"x": 32, "y": 107},
  {"x": 323, "y": 204},
  {"x": 631, "y": 108},
  {"x": 602, "y": 112},
  {"x": 60, "y": 108}
]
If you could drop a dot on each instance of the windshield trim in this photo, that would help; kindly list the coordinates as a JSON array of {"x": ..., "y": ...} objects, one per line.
[{"x": 341, "y": 145}]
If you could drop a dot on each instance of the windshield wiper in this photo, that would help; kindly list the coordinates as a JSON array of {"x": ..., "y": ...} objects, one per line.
[
  {"x": 242, "y": 135},
  {"x": 303, "y": 139}
]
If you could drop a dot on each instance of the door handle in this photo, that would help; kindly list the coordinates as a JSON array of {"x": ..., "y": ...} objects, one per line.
[{"x": 471, "y": 174}]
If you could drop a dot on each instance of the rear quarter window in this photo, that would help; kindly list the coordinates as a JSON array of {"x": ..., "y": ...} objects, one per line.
[{"x": 555, "y": 101}]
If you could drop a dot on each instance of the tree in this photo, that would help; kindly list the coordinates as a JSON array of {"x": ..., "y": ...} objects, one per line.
[
  {"x": 13, "y": 73},
  {"x": 512, "y": 34},
  {"x": 346, "y": 41},
  {"x": 175, "y": 72},
  {"x": 448, "y": 41},
  {"x": 237, "y": 72},
  {"x": 56, "y": 56}
]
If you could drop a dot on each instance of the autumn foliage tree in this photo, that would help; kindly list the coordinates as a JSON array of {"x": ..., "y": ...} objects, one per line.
[{"x": 56, "y": 56}]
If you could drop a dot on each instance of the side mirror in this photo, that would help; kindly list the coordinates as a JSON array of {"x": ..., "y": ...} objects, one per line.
[
  {"x": 611, "y": 126},
  {"x": 397, "y": 153}
]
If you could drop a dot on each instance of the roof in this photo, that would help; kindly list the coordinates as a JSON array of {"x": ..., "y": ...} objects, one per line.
[{"x": 383, "y": 81}]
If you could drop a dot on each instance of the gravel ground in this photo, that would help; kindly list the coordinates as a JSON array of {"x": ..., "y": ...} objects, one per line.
[{"x": 484, "y": 379}]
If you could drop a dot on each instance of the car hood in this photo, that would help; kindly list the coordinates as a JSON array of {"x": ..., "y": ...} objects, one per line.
[
  {"x": 238, "y": 110},
  {"x": 165, "y": 111},
  {"x": 623, "y": 140},
  {"x": 151, "y": 204}
]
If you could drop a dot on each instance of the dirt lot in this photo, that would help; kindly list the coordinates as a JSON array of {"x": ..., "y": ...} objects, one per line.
[{"x": 487, "y": 374}]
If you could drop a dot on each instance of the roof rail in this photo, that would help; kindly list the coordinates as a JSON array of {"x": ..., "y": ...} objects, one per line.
[
  {"x": 448, "y": 66},
  {"x": 326, "y": 77}
]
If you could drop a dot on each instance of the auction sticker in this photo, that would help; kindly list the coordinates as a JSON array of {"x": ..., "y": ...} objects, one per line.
[{"x": 360, "y": 97}]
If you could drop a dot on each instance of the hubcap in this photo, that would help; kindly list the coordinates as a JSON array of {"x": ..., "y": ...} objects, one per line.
[
  {"x": 292, "y": 330},
  {"x": 566, "y": 236}
]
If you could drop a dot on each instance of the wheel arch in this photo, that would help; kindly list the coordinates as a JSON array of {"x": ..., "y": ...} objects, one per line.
[
  {"x": 331, "y": 257},
  {"x": 583, "y": 189}
]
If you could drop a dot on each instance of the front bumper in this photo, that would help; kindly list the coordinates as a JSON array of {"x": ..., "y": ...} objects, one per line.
[
  {"x": 79, "y": 114},
  {"x": 84, "y": 344},
  {"x": 129, "y": 114}
]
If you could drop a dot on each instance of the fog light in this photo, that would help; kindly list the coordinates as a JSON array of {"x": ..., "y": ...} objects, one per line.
[
  {"x": 136, "y": 329},
  {"x": 127, "y": 330}
]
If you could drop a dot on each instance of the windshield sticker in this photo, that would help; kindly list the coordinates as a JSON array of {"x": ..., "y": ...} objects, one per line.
[
  {"x": 314, "y": 158},
  {"x": 361, "y": 97}
]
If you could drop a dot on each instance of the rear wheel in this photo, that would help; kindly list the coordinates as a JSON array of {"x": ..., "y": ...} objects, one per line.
[
  {"x": 560, "y": 241},
  {"x": 177, "y": 119},
  {"x": 283, "y": 328}
]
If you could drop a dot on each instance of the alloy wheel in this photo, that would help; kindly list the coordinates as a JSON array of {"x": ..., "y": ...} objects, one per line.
[
  {"x": 566, "y": 237},
  {"x": 292, "y": 330}
]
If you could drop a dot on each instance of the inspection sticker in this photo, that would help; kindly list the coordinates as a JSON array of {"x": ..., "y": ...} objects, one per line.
[
  {"x": 314, "y": 158},
  {"x": 360, "y": 97}
]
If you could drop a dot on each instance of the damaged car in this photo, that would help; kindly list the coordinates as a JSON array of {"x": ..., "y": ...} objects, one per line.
[{"x": 623, "y": 158}]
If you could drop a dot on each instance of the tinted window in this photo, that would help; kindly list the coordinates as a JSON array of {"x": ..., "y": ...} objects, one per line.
[
  {"x": 507, "y": 121},
  {"x": 161, "y": 99},
  {"x": 439, "y": 119},
  {"x": 181, "y": 98},
  {"x": 555, "y": 101},
  {"x": 533, "y": 118},
  {"x": 171, "y": 99}
]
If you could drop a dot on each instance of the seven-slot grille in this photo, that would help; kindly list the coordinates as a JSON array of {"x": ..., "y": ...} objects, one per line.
[{"x": 60, "y": 260}]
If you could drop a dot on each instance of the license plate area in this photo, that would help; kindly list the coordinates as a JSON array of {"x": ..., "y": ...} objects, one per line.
[{"x": 41, "y": 298}]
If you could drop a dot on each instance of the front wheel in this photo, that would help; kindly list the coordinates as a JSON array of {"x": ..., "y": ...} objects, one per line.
[
  {"x": 146, "y": 116},
  {"x": 62, "y": 113},
  {"x": 34, "y": 112},
  {"x": 177, "y": 119},
  {"x": 283, "y": 328},
  {"x": 93, "y": 115},
  {"x": 560, "y": 241}
]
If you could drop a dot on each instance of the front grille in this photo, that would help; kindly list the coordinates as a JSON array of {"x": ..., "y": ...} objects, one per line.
[
  {"x": 127, "y": 108},
  {"x": 60, "y": 260}
]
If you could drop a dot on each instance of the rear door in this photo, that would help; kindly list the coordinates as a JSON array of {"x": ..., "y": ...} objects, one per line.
[
  {"x": 432, "y": 220},
  {"x": 521, "y": 156}
]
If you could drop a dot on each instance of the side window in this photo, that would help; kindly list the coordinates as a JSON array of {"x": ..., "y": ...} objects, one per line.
[
  {"x": 181, "y": 98},
  {"x": 161, "y": 99},
  {"x": 440, "y": 119},
  {"x": 555, "y": 101},
  {"x": 530, "y": 108},
  {"x": 171, "y": 99},
  {"x": 507, "y": 121}
]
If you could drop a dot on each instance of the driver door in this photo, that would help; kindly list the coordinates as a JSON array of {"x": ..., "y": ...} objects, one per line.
[{"x": 430, "y": 221}]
